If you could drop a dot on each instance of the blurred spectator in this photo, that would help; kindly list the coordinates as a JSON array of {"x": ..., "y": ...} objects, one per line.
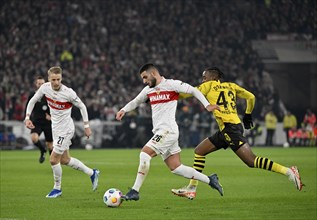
[
  {"x": 289, "y": 122},
  {"x": 292, "y": 134},
  {"x": 270, "y": 124},
  {"x": 309, "y": 121},
  {"x": 309, "y": 118},
  {"x": 302, "y": 136},
  {"x": 314, "y": 139}
]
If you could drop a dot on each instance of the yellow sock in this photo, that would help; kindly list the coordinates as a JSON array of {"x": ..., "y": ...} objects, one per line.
[
  {"x": 193, "y": 182},
  {"x": 199, "y": 165},
  {"x": 279, "y": 168},
  {"x": 267, "y": 164}
]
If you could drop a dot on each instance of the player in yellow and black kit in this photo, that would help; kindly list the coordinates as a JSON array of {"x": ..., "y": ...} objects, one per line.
[{"x": 230, "y": 133}]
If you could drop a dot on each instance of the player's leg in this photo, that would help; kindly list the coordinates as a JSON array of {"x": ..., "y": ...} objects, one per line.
[
  {"x": 55, "y": 159},
  {"x": 35, "y": 137},
  {"x": 146, "y": 155},
  {"x": 249, "y": 158},
  {"x": 174, "y": 164},
  {"x": 205, "y": 147},
  {"x": 202, "y": 149},
  {"x": 78, "y": 165}
]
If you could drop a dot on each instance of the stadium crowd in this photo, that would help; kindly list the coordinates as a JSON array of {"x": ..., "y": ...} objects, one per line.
[{"x": 101, "y": 44}]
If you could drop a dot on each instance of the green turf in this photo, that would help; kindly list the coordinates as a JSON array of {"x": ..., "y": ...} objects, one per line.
[{"x": 249, "y": 193}]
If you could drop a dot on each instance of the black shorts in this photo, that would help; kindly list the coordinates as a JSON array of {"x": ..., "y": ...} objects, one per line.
[
  {"x": 46, "y": 128},
  {"x": 231, "y": 136}
]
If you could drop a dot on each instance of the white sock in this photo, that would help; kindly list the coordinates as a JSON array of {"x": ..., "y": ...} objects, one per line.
[
  {"x": 78, "y": 165},
  {"x": 143, "y": 170},
  {"x": 191, "y": 173},
  {"x": 57, "y": 173}
]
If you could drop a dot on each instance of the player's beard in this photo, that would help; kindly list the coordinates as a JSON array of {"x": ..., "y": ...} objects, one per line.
[{"x": 152, "y": 83}]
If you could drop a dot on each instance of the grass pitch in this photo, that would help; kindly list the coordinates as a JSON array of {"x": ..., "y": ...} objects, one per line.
[{"x": 249, "y": 193}]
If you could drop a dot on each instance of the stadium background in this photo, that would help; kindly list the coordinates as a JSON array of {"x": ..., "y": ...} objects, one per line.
[{"x": 269, "y": 47}]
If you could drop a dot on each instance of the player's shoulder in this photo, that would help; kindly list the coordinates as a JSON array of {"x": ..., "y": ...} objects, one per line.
[
  {"x": 46, "y": 85},
  {"x": 174, "y": 82},
  {"x": 146, "y": 89},
  {"x": 231, "y": 84},
  {"x": 67, "y": 91},
  {"x": 228, "y": 83},
  {"x": 207, "y": 84}
]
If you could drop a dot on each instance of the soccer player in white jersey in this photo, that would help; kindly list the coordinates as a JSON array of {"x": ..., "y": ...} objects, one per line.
[
  {"x": 60, "y": 100},
  {"x": 163, "y": 95}
]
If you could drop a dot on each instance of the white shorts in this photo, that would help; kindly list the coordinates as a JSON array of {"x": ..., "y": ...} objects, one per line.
[
  {"x": 164, "y": 143},
  {"x": 62, "y": 140}
]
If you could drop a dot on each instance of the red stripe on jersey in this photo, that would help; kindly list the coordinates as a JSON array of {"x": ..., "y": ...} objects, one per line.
[
  {"x": 58, "y": 105},
  {"x": 162, "y": 97}
]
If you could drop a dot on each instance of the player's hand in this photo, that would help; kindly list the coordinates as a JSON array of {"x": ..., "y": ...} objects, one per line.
[
  {"x": 47, "y": 116},
  {"x": 120, "y": 115},
  {"x": 29, "y": 124},
  {"x": 247, "y": 121},
  {"x": 88, "y": 132},
  {"x": 212, "y": 108}
]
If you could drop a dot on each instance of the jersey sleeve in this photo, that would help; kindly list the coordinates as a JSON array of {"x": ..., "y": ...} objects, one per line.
[
  {"x": 140, "y": 98},
  {"x": 75, "y": 100},
  {"x": 36, "y": 97},
  {"x": 248, "y": 96},
  {"x": 204, "y": 88},
  {"x": 188, "y": 89}
]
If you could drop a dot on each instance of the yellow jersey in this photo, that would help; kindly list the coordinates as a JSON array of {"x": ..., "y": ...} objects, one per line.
[{"x": 224, "y": 94}]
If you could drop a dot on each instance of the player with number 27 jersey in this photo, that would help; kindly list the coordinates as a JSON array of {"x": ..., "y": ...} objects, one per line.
[{"x": 60, "y": 104}]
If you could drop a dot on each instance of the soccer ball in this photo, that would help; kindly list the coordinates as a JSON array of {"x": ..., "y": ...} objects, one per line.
[{"x": 112, "y": 197}]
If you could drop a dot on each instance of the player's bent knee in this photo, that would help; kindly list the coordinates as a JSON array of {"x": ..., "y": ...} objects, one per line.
[
  {"x": 65, "y": 161},
  {"x": 34, "y": 139},
  {"x": 53, "y": 161}
]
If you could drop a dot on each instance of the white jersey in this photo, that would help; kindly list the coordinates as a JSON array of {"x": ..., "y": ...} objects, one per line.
[
  {"x": 163, "y": 99},
  {"x": 60, "y": 103}
]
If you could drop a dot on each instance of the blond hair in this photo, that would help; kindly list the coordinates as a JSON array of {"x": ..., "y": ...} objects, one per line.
[{"x": 55, "y": 70}]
